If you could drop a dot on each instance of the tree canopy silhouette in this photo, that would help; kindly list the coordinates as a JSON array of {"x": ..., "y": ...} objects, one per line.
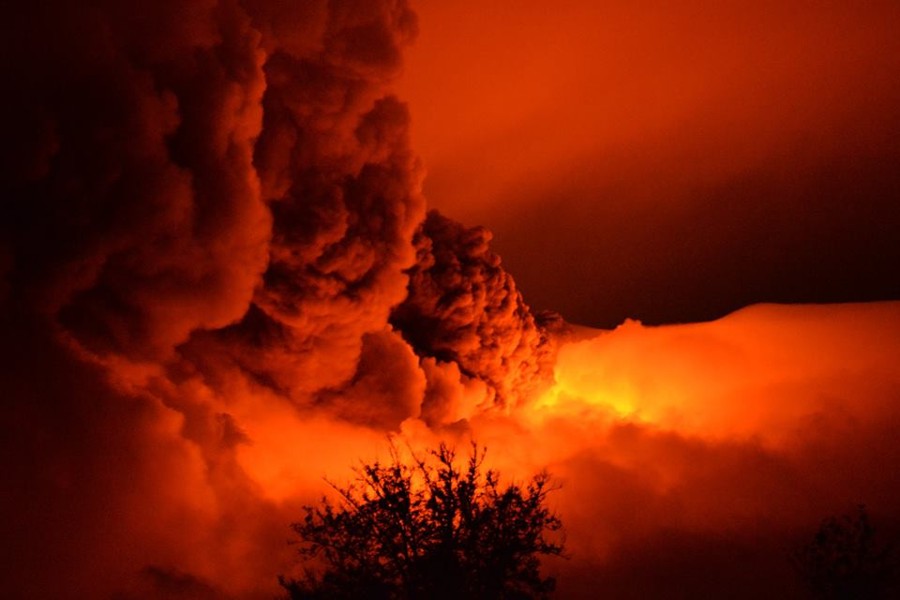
[{"x": 428, "y": 529}]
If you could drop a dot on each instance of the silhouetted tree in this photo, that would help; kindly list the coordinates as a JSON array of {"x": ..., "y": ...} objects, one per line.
[
  {"x": 845, "y": 561},
  {"x": 428, "y": 529}
]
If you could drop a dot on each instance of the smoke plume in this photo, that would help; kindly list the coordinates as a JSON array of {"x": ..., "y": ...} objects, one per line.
[
  {"x": 463, "y": 309},
  {"x": 219, "y": 283},
  {"x": 211, "y": 210}
]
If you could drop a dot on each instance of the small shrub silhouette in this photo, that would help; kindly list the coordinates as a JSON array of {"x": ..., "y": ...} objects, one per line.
[{"x": 845, "y": 561}]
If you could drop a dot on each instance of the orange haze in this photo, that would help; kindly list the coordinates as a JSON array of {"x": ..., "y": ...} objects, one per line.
[
  {"x": 669, "y": 161},
  {"x": 219, "y": 282},
  {"x": 693, "y": 457}
]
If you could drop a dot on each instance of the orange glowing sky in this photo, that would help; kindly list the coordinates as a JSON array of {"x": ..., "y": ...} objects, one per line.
[
  {"x": 670, "y": 162},
  {"x": 219, "y": 280}
]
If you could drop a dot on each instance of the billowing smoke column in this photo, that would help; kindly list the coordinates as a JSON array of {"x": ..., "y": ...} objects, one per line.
[
  {"x": 219, "y": 283},
  {"x": 464, "y": 311},
  {"x": 209, "y": 217}
]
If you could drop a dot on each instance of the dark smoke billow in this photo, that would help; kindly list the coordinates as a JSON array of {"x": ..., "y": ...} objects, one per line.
[
  {"x": 210, "y": 210},
  {"x": 464, "y": 309}
]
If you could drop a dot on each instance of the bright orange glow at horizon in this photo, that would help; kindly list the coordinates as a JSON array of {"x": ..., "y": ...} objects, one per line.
[
  {"x": 767, "y": 395},
  {"x": 755, "y": 374}
]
